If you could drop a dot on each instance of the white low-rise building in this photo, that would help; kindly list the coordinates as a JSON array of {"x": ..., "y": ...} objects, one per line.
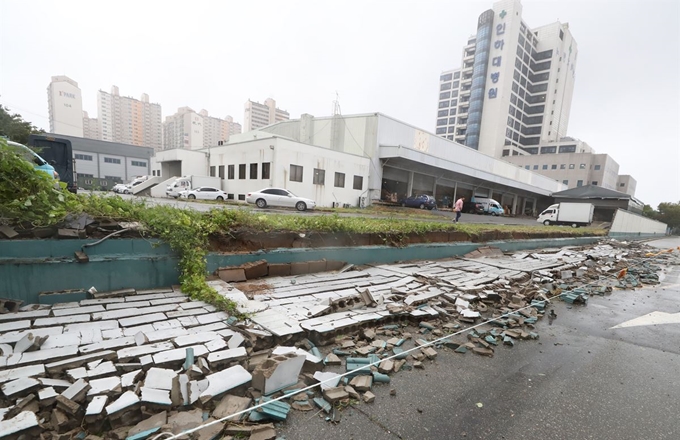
[
  {"x": 356, "y": 160},
  {"x": 258, "y": 160}
]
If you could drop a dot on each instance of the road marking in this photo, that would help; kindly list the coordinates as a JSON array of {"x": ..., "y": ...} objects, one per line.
[{"x": 654, "y": 318}]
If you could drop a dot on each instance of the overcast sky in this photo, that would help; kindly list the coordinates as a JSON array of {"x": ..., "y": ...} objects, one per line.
[{"x": 380, "y": 56}]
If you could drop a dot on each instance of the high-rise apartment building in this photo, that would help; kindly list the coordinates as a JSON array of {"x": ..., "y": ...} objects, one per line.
[
  {"x": 128, "y": 120},
  {"x": 90, "y": 127},
  {"x": 216, "y": 129},
  {"x": 184, "y": 129},
  {"x": 514, "y": 87},
  {"x": 258, "y": 115},
  {"x": 65, "y": 106},
  {"x": 190, "y": 130}
]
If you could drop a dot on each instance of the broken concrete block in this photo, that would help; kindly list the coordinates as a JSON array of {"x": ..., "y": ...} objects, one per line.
[
  {"x": 155, "y": 421},
  {"x": 274, "y": 410},
  {"x": 231, "y": 274},
  {"x": 352, "y": 392},
  {"x": 369, "y": 397},
  {"x": 332, "y": 359},
  {"x": 231, "y": 405},
  {"x": 129, "y": 379},
  {"x": 28, "y": 343},
  {"x": 226, "y": 356},
  {"x": 225, "y": 380},
  {"x": 156, "y": 396},
  {"x": 483, "y": 351},
  {"x": 386, "y": 366},
  {"x": 211, "y": 431},
  {"x": 67, "y": 405},
  {"x": 327, "y": 379},
  {"x": 47, "y": 396},
  {"x": 430, "y": 352},
  {"x": 333, "y": 395},
  {"x": 262, "y": 432},
  {"x": 380, "y": 378},
  {"x": 279, "y": 269},
  {"x": 183, "y": 421},
  {"x": 362, "y": 383},
  {"x": 299, "y": 268},
  {"x": 321, "y": 403},
  {"x": 255, "y": 269},
  {"x": 277, "y": 372}
]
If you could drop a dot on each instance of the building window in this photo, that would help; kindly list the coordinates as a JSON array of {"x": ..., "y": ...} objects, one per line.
[
  {"x": 582, "y": 166},
  {"x": 83, "y": 157},
  {"x": 441, "y": 122},
  {"x": 339, "y": 180},
  {"x": 220, "y": 170},
  {"x": 535, "y": 167},
  {"x": 527, "y": 167},
  {"x": 138, "y": 163},
  {"x": 230, "y": 172},
  {"x": 319, "y": 177},
  {"x": 553, "y": 167},
  {"x": 597, "y": 167},
  {"x": 506, "y": 153},
  {"x": 266, "y": 166},
  {"x": 295, "y": 173},
  {"x": 566, "y": 182},
  {"x": 622, "y": 184},
  {"x": 358, "y": 182},
  {"x": 111, "y": 160},
  {"x": 571, "y": 166},
  {"x": 253, "y": 171},
  {"x": 242, "y": 197},
  {"x": 242, "y": 171},
  {"x": 230, "y": 197},
  {"x": 212, "y": 171},
  {"x": 594, "y": 182},
  {"x": 579, "y": 183},
  {"x": 545, "y": 167},
  {"x": 563, "y": 166}
]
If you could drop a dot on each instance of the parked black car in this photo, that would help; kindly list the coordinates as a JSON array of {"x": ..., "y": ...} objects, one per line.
[
  {"x": 473, "y": 208},
  {"x": 422, "y": 201}
]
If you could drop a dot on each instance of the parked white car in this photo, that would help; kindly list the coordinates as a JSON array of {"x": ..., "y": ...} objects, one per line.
[
  {"x": 119, "y": 188},
  {"x": 204, "y": 193},
  {"x": 279, "y": 197}
]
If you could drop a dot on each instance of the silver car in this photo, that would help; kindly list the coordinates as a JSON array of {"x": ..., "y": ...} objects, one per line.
[{"x": 279, "y": 197}]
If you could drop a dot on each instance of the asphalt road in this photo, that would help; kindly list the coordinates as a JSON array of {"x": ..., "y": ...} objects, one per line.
[
  {"x": 580, "y": 380},
  {"x": 445, "y": 215}
]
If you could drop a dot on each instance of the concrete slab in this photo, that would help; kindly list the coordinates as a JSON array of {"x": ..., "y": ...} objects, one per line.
[
  {"x": 63, "y": 340},
  {"x": 19, "y": 387},
  {"x": 61, "y": 320},
  {"x": 42, "y": 356},
  {"x": 77, "y": 310},
  {"x": 156, "y": 396},
  {"x": 159, "y": 378},
  {"x": 127, "y": 305},
  {"x": 125, "y": 401},
  {"x": 109, "y": 344},
  {"x": 129, "y": 379},
  {"x": 15, "y": 325},
  {"x": 23, "y": 421},
  {"x": 178, "y": 354},
  {"x": 24, "y": 315},
  {"x": 225, "y": 380},
  {"x": 105, "y": 385},
  {"x": 224, "y": 356},
  {"x": 195, "y": 338},
  {"x": 101, "y": 325},
  {"x": 58, "y": 366},
  {"x": 139, "y": 320},
  {"x": 136, "y": 352},
  {"x": 96, "y": 406}
]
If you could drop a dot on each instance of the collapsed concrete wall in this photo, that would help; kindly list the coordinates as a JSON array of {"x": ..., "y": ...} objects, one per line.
[{"x": 627, "y": 223}]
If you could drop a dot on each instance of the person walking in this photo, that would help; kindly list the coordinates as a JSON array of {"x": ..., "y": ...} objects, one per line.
[{"x": 459, "y": 208}]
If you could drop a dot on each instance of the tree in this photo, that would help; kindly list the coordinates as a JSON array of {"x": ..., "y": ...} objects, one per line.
[
  {"x": 15, "y": 128},
  {"x": 669, "y": 213},
  {"x": 648, "y": 211}
]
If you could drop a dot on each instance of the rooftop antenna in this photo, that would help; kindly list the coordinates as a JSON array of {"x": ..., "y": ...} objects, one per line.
[{"x": 336, "y": 105}]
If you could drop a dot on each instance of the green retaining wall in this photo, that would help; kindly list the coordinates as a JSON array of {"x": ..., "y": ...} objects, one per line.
[{"x": 29, "y": 267}]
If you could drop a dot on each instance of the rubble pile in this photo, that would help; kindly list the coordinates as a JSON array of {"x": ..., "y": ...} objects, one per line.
[{"x": 131, "y": 364}]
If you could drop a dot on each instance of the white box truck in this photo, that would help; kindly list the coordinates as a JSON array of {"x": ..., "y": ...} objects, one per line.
[
  {"x": 572, "y": 214},
  {"x": 188, "y": 182}
]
